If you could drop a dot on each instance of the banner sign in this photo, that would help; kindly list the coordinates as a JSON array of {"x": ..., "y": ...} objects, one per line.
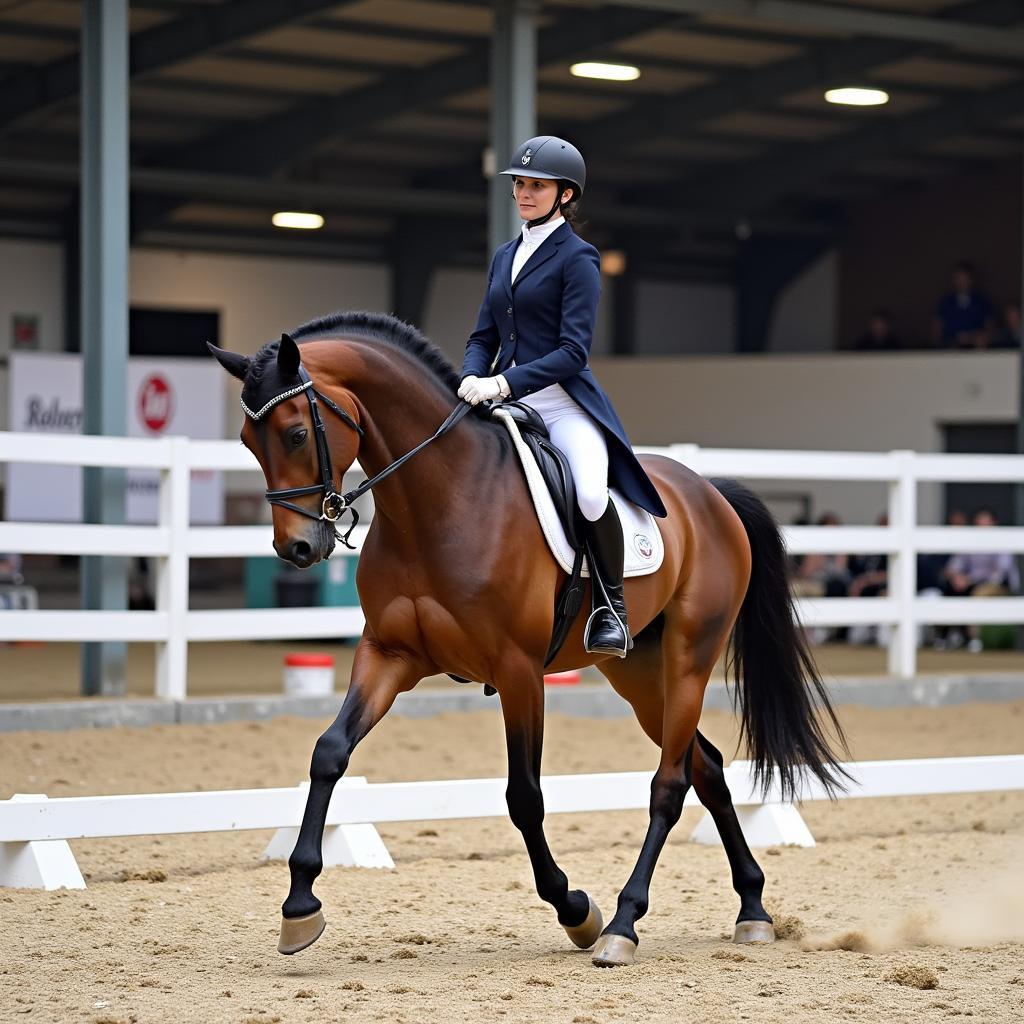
[{"x": 165, "y": 397}]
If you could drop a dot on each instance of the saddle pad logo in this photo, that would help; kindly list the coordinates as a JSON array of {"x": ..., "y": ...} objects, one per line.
[{"x": 643, "y": 545}]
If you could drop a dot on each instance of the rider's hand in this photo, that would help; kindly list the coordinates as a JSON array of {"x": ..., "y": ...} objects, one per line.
[{"x": 481, "y": 389}]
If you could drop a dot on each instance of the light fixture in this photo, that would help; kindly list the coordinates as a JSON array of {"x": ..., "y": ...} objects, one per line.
[
  {"x": 856, "y": 96},
  {"x": 613, "y": 262},
  {"x": 608, "y": 72},
  {"x": 294, "y": 219}
]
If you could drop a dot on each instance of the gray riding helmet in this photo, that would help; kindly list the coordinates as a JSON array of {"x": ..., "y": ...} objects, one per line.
[{"x": 548, "y": 156}]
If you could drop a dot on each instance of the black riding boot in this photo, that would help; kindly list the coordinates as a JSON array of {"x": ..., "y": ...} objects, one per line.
[{"x": 607, "y": 631}]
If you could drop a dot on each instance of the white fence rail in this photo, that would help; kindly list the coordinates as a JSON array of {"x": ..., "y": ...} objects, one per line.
[
  {"x": 173, "y": 542},
  {"x": 34, "y": 830}
]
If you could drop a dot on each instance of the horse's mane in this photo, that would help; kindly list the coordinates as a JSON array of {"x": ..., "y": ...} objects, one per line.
[{"x": 385, "y": 328}]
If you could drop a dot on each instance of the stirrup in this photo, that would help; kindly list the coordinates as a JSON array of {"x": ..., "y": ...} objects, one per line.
[{"x": 618, "y": 651}]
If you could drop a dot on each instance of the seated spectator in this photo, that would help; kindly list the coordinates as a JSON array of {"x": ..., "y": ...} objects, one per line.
[
  {"x": 992, "y": 571},
  {"x": 878, "y": 334},
  {"x": 869, "y": 573},
  {"x": 981, "y": 574},
  {"x": 823, "y": 575},
  {"x": 1008, "y": 335},
  {"x": 963, "y": 319},
  {"x": 931, "y": 568},
  {"x": 10, "y": 568},
  {"x": 869, "y": 578}
]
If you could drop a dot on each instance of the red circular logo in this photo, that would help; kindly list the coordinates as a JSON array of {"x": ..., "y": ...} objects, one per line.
[{"x": 155, "y": 403}]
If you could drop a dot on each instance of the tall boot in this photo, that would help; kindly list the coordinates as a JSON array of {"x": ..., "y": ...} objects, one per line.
[{"x": 607, "y": 631}]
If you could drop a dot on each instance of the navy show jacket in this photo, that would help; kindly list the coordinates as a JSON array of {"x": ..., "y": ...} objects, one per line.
[{"x": 545, "y": 323}]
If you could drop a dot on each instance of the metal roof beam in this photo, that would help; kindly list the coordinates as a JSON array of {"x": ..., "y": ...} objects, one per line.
[
  {"x": 207, "y": 28},
  {"x": 858, "y": 21},
  {"x": 797, "y": 170},
  {"x": 757, "y": 88}
]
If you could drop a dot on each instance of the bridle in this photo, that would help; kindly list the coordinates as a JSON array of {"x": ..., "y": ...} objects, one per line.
[{"x": 334, "y": 505}]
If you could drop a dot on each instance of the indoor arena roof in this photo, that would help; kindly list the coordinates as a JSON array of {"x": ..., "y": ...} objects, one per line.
[{"x": 375, "y": 113}]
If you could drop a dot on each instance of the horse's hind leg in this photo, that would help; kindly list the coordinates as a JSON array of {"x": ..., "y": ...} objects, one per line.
[
  {"x": 521, "y": 688},
  {"x": 685, "y": 682},
  {"x": 377, "y": 678},
  {"x": 753, "y": 924}
]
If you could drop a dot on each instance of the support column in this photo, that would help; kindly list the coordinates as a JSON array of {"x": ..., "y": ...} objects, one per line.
[
  {"x": 765, "y": 267},
  {"x": 104, "y": 269},
  {"x": 513, "y": 105}
]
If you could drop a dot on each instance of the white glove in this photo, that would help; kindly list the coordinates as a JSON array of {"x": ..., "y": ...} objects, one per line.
[{"x": 481, "y": 389}]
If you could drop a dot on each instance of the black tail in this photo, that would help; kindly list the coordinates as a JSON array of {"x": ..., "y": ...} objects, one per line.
[{"x": 776, "y": 683}]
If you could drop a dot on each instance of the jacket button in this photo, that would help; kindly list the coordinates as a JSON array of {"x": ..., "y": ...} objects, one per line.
[
  {"x": 509, "y": 311},
  {"x": 512, "y": 336}
]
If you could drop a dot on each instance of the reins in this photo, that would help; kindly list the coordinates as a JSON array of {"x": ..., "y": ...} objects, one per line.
[{"x": 335, "y": 505}]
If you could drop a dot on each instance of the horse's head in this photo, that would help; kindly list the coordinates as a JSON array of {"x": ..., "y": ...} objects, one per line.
[{"x": 303, "y": 453}]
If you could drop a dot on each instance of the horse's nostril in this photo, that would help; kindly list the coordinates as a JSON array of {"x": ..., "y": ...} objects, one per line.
[{"x": 302, "y": 553}]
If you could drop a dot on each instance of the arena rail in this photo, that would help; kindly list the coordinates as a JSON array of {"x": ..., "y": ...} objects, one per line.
[
  {"x": 172, "y": 542},
  {"x": 34, "y": 831}
]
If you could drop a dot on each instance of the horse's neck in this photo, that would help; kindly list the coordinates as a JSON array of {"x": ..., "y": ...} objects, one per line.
[{"x": 400, "y": 407}]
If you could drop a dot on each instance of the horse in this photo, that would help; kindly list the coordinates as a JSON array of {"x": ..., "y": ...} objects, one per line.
[{"x": 455, "y": 577}]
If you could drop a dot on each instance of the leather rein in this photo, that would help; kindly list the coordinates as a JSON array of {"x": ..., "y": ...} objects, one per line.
[{"x": 335, "y": 505}]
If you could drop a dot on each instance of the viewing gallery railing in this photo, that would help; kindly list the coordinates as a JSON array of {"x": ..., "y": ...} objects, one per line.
[{"x": 172, "y": 543}]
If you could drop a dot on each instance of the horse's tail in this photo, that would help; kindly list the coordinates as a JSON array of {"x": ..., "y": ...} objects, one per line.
[{"x": 777, "y": 686}]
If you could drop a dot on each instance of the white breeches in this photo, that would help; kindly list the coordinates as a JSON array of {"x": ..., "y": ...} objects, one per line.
[{"x": 582, "y": 442}]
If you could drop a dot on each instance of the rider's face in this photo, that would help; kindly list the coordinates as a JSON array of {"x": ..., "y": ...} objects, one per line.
[{"x": 535, "y": 196}]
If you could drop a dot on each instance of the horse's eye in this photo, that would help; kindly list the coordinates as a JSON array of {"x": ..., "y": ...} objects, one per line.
[{"x": 298, "y": 439}]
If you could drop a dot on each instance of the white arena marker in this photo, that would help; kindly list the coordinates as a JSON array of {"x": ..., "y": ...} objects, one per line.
[
  {"x": 764, "y": 825},
  {"x": 344, "y": 846},
  {"x": 42, "y": 865}
]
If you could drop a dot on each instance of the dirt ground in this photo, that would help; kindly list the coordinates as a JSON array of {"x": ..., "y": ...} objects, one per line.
[
  {"x": 898, "y": 893},
  {"x": 34, "y": 672}
]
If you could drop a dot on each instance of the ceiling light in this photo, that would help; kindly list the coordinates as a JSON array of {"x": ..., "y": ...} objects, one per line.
[
  {"x": 609, "y": 72},
  {"x": 292, "y": 219},
  {"x": 854, "y": 96},
  {"x": 613, "y": 262}
]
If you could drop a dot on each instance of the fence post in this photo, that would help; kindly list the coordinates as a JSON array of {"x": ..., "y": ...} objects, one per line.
[
  {"x": 172, "y": 574},
  {"x": 903, "y": 565}
]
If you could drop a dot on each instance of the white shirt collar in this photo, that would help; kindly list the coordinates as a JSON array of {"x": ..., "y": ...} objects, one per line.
[{"x": 532, "y": 237}]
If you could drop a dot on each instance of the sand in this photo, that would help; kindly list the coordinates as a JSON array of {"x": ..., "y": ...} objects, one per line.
[{"x": 906, "y": 910}]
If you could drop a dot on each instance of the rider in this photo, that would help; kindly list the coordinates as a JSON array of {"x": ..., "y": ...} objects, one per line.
[{"x": 531, "y": 344}]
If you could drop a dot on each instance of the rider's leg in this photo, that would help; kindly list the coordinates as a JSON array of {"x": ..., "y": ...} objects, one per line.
[{"x": 583, "y": 444}]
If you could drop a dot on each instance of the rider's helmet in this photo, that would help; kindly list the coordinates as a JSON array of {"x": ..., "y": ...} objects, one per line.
[{"x": 547, "y": 156}]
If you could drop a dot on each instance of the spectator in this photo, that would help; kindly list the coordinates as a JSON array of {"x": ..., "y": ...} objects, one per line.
[
  {"x": 1008, "y": 336},
  {"x": 823, "y": 576},
  {"x": 878, "y": 334},
  {"x": 931, "y": 568},
  {"x": 963, "y": 318},
  {"x": 870, "y": 573},
  {"x": 981, "y": 574},
  {"x": 10, "y": 568},
  {"x": 869, "y": 578}
]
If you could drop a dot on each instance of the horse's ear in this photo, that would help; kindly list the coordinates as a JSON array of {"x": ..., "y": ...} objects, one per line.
[
  {"x": 288, "y": 357},
  {"x": 237, "y": 365}
]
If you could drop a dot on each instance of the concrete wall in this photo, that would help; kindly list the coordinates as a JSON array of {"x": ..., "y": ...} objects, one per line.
[{"x": 849, "y": 402}]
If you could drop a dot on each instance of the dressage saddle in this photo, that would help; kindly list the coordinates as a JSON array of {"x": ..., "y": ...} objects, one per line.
[{"x": 554, "y": 468}]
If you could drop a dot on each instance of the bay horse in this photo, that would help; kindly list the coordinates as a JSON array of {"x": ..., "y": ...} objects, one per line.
[{"x": 455, "y": 577}]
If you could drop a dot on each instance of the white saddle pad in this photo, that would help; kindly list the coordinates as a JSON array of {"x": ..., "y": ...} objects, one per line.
[{"x": 644, "y": 548}]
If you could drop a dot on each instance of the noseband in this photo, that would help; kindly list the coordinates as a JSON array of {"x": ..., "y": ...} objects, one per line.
[{"x": 335, "y": 505}]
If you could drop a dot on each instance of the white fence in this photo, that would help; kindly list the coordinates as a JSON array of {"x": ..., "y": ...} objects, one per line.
[
  {"x": 173, "y": 542},
  {"x": 34, "y": 830}
]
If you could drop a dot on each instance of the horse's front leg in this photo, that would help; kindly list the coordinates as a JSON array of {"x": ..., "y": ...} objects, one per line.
[
  {"x": 522, "y": 705},
  {"x": 378, "y": 676}
]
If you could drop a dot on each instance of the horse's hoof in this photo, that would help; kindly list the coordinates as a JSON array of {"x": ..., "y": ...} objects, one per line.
[
  {"x": 586, "y": 934},
  {"x": 614, "y": 951},
  {"x": 299, "y": 932},
  {"x": 754, "y": 931}
]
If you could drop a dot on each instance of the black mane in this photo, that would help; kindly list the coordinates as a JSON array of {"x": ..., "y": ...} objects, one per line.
[{"x": 388, "y": 329}]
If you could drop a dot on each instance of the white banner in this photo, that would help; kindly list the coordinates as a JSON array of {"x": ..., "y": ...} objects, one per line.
[{"x": 165, "y": 397}]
